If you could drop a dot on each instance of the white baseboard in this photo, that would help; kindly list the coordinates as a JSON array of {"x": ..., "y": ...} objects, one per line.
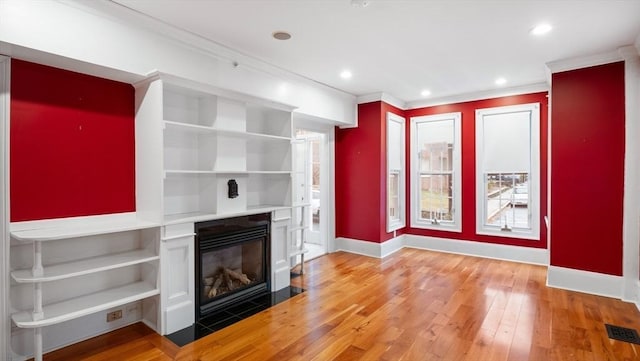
[
  {"x": 469, "y": 248},
  {"x": 585, "y": 281},
  {"x": 371, "y": 249},
  {"x": 391, "y": 246},
  {"x": 480, "y": 249},
  {"x": 178, "y": 316},
  {"x": 281, "y": 276}
]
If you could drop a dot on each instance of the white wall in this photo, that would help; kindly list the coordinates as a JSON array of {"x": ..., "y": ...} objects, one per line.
[{"x": 105, "y": 39}]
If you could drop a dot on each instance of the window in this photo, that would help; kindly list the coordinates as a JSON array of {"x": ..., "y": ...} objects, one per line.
[
  {"x": 436, "y": 172},
  {"x": 507, "y": 169},
  {"x": 395, "y": 172}
]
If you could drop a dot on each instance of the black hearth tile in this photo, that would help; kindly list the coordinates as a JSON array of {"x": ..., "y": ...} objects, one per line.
[
  {"x": 266, "y": 300},
  {"x": 252, "y": 311},
  {"x": 241, "y": 308},
  {"x": 189, "y": 334},
  {"x": 224, "y": 323},
  {"x": 281, "y": 295},
  {"x": 216, "y": 318},
  {"x": 296, "y": 290}
]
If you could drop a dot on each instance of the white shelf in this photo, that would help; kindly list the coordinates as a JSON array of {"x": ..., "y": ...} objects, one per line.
[
  {"x": 86, "y": 305},
  {"x": 298, "y": 252},
  {"x": 299, "y": 228},
  {"x": 201, "y": 129},
  {"x": 207, "y": 216},
  {"x": 91, "y": 229},
  {"x": 85, "y": 266},
  {"x": 298, "y": 205},
  {"x": 241, "y": 172}
]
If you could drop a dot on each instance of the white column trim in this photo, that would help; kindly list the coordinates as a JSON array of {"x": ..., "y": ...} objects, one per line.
[
  {"x": 5, "y": 328},
  {"x": 631, "y": 210},
  {"x": 330, "y": 146}
]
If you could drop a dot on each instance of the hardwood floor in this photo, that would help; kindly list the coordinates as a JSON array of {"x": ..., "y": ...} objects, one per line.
[{"x": 412, "y": 305}]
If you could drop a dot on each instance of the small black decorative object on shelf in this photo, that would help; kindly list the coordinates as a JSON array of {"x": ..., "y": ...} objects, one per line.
[{"x": 233, "y": 188}]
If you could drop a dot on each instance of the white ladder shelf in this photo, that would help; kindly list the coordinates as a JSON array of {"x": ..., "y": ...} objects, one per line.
[{"x": 297, "y": 234}]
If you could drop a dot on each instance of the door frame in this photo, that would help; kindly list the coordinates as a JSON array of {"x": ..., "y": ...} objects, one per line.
[{"x": 327, "y": 173}]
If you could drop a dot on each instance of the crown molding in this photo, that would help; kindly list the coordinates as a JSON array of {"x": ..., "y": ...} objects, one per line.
[
  {"x": 381, "y": 96},
  {"x": 629, "y": 53},
  {"x": 130, "y": 17},
  {"x": 66, "y": 63},
  {"x": 480, "y": 95},
  {"x": 583, "y": 61}
]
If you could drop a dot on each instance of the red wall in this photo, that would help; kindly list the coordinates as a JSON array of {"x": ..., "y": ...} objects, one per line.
[
  {"x": 469, "y": 208},
  {"x": 72, "y": 148},
  {"x": 587, "y": 155},
  {"x": 361, "y": 189}
]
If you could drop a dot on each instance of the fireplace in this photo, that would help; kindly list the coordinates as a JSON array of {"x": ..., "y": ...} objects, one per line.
[{"x": 232, "y": 262}]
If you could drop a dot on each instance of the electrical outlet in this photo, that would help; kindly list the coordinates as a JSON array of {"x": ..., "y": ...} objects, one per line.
[{"x": 115, "y": 315}]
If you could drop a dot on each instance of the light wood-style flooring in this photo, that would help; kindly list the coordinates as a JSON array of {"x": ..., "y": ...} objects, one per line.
[{"x": 412, "y": 305}]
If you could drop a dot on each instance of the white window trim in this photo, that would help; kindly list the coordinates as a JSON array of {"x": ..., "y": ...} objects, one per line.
[
  {"x": 395, "y": 224},
  {"x": 416, "y": 221},
  {"x": 534, "y": 175}
]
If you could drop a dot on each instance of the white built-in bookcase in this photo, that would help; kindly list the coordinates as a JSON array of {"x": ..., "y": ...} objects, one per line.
[
  {"x": 191, "y": 139},
  {"x": 197, "y": 138},
  {"x": 210, "y": 136},
  {"x": 72, "y": 269}
]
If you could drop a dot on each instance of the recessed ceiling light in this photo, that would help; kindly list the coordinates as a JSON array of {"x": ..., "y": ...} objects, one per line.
[
  {"x": 281, "y": 35},
  {"x": 359, "y": 3},
  {"x": 425, "y": 93},
  {"x": 541, "y": 29},
  {"x": 501, "y": 81},
  {"x": 346, "y": 74}
]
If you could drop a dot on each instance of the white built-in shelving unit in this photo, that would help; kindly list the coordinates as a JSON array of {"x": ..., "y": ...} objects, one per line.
[
  {"x": 67, "y": 269},
  {"x": 210, "y": 136},
  {"x": 199, "y": 138},
  {"x": 191, "y": 140}
]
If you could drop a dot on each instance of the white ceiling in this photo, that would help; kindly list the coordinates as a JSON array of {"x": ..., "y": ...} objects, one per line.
[{"x": 401, "y": 47}]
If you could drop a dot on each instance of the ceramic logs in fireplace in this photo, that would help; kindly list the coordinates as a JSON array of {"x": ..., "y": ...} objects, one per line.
[{"x": 232, "y": 262}]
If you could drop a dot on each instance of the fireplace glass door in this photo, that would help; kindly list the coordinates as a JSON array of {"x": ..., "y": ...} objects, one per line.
[{"x": 232, "y": 262}]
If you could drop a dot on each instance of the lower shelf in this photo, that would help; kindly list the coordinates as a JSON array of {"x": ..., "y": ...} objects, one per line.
[
  {"x": 86, "y": 305},
  {"x": 298, "y": 252}
]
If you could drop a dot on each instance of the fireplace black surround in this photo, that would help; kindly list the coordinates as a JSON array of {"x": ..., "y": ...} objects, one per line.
[{"x": 232, "y": 262}]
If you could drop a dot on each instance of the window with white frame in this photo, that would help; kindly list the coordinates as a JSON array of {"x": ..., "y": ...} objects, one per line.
[
  {"x": 508, "y": 171},
  {"x": 395, "y": 172},
  {"x": 436, "y": 172}
]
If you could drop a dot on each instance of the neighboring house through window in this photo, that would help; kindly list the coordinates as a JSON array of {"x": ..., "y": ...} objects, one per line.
[{"x": 436, "y": 172}]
